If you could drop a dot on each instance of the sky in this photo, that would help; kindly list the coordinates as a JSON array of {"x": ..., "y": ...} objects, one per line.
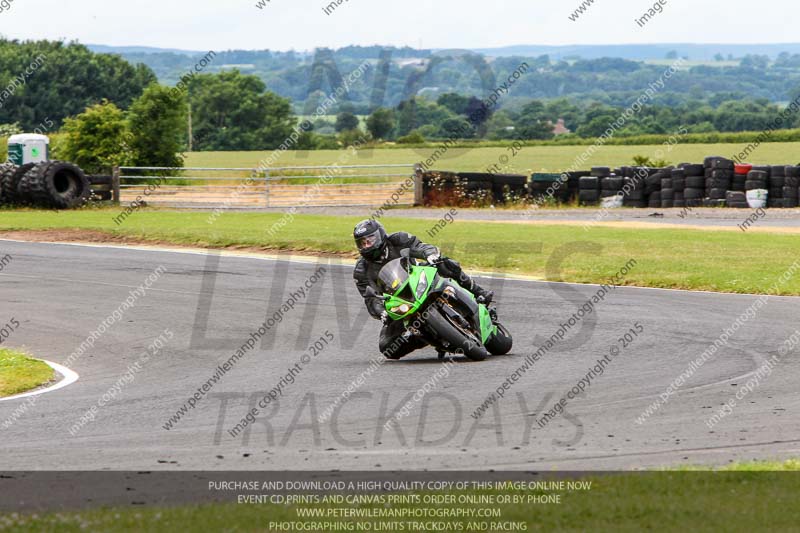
[{"x": 303, "y": 24}]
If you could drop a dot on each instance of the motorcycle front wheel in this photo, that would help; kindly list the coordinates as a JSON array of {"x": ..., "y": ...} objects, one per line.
[{"x": 457, "y": 340}]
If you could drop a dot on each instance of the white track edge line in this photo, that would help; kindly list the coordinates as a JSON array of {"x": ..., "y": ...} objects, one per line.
[{"x": 70, "y": 377}]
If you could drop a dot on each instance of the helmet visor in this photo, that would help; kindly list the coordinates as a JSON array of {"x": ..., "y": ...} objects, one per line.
[{"x": 368, "y": 241}]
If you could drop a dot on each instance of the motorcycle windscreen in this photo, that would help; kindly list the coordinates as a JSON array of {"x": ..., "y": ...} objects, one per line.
[{"x": 392, "y": 277}]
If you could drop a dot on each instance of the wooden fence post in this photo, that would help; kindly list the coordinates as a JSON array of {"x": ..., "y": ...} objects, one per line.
[
  {"x": 115, "y": 196},
  {"x": 419, "y": 193}
]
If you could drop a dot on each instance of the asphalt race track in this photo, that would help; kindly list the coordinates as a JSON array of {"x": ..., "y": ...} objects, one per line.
[{"x": 210, "y": 305}]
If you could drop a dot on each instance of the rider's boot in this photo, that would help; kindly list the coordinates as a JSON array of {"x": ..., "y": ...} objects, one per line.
[{"x": 481, "y": 295}]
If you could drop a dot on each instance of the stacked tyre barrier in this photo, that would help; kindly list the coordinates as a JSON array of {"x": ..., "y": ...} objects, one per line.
[
  {"x": 653, "y": 182},
  {"x": 480, "y": 189},
  {"x": 50, "y": 184},
  {"x": 498, "y": 187},
  {"x": 719, "y": 176},
  {"x": 678, "y": 187},
  {"x": 791, "y": 197},
  {"x": 736, "y": 197},
  {"x": 694, "y": 188},
  {"x": 777, "y": 178},
  {"x": 589, "y": 190},
  {"x": 717, "y": 182},
  {"x": 610, "y": 185},
  {"x": 560, "y": 188},
  {"x": 633, "y": 186},
  {"x": 508, "y": 187}
]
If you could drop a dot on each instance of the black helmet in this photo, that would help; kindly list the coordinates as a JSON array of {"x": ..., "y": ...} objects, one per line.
[{"x": 370, "y": 238}]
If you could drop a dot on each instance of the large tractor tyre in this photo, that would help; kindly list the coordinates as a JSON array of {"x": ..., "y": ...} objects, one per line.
[
  {"x": 9, "y": 180},
  {"x": 5, "y": 167},
  {"x": 501, "y": 342},
  {"x": 24, "y": 196},
  {"x": 58, "y": 184},
  {"x": 459, "y": 341}
]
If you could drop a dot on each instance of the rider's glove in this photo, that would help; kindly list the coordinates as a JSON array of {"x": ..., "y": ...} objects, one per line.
[{"x": 433, "y": 258}]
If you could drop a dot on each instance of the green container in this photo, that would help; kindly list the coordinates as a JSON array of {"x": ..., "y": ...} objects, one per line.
[{"x": 15, "y": 154}]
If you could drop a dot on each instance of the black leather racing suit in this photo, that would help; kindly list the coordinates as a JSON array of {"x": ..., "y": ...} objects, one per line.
[{"x": 392, "y": 342}]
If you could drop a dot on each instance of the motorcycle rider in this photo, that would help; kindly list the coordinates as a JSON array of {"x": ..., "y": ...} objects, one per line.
[{"x": 378, "y": 248}]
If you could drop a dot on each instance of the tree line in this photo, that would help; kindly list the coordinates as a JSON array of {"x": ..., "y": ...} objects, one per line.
[
  {"x": 114, "y": 113},
  {"x": 606, "y": 80}
]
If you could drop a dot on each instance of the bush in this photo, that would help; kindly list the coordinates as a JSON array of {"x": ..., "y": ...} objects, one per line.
[
  {"x": 645, "y": 161},
  {"x": 158, "y": 127},
  {"x": 350, "y": 137},
  {"x": 326, "y": 142},
  {"x": 413, "y": 137},
  {"x": 97, "y": 139},
  {"x": 7, "y": 130},
  {"x": 381, "y": 123},
  {"x": 314, "y": 141},
  {"x": 346, "y": 121}
]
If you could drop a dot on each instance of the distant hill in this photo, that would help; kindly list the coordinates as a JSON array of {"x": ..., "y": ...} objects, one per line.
[
  {"x": 122, "y": 50},
  {"x": 640, "y": 52},
  {"x": 643, "y": 52},
  {"x": 610, "y": 74}
]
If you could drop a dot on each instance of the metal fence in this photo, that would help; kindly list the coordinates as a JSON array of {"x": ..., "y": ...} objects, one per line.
[{"x": 248, "y": 188}]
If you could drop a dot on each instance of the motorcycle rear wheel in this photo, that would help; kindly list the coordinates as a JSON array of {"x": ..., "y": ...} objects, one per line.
[{"x": 501, "y": 342}]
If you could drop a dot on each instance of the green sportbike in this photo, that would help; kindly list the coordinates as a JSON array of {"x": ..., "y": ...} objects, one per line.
[{"x": 439, "y": 311}]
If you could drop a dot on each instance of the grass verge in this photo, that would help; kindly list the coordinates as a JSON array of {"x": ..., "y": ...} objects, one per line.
[
  {"x": 722, "y": 261},
  {"x": 739, "y": 498},
  {"x": 20, "y": 373},
  {"x": 476, "y": 158}
]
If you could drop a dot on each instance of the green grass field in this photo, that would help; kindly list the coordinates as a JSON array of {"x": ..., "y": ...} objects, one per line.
[
  {"x": 530, "y": 159},
  {"x": 669, "y": 258},
  {"x": 20, "y": 373},
  {"x": 739, "y": 501}
]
